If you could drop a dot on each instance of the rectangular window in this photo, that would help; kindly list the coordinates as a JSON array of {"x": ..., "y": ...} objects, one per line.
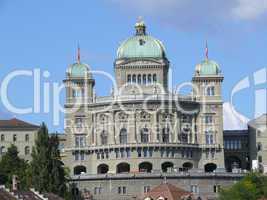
[
  {"x": 145, "y": 152},
  {"x": 79, "y": 121},
  {"x": 216, "y": 188},
  {"x": 208, "y": 119},
  {"x": 82, "y": 155},
  {"x": 122, "y": 190},
  {"x": 117, "y": 153},
  {"x": 80, "y": 141},
  {"x": 146, "y": 189},
  {"x": 139, "y": 153},
  {"x": 76, "y": 156},
  {"x": 194, "y": 189}
]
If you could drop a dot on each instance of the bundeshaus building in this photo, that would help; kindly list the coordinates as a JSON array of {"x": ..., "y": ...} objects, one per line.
[{"x": 120, "y": 146}]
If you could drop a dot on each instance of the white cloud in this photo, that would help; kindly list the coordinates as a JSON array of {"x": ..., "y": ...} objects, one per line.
[
  {"x": 192, "y": 14},
  {"x": 249, "y": 9}
]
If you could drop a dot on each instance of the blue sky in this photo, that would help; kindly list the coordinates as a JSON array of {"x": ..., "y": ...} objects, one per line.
[{"x": 44, "y": 34}]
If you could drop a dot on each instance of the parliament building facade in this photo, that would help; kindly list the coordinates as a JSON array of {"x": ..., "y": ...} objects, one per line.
[{"x": 120, "y": 146}]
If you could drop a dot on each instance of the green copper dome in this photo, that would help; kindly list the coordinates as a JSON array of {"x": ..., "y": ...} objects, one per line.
[
  {"x": 79, "y": 70},
  {"x": 208, "y": 67},
  {"x": 141, "y": 45}
]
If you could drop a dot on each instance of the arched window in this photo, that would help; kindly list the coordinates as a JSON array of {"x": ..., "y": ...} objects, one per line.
[
  {"x": 79, "y": 170},
  {"x": 134, "y": 78},
  {"x": 104, "y": 138},
  {"x": 14, "y": 138},
  {"x": 129, "y": 78},
  {"x": 139, "y": 79},
  {"x": 27, "y": 150},
  {"x": 149, "y": 79},
  {"x": 145, "y": 167},
  {"x": 187, "y": 166},
  {"x": 165, "y": 135},
  {"x": 2, "y": 137},
  {"x": 27, "y": 137},
  {"x": 102, "y": 169},
  {"x": 2, "y": 150},
  {"x": 211, "y": 91},
  {"x": 123, "y": 136},
  {"x": 123, "y": 168},
  {"x": 144, "y": 79},
  {"x": 210, "y": 167},
  {"x": 144, "y": 135},
  {"x": 167, "y": 166},
  {"x": 154, "y": 78}
]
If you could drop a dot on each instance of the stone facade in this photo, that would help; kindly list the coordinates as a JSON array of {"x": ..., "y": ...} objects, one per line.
[
  {"x": 143, "y": 130},
  {"x": 258, "y": 142}
]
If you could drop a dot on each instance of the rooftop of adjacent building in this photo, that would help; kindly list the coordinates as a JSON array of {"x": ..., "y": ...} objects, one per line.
[
  {"x": 15, "y": 123},
  {"x": 166, "y": 191},
  {"x": 259, "y": 123}
]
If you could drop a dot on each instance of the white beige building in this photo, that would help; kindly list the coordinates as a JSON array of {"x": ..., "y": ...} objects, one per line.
[{"x": 19, "y": 133}]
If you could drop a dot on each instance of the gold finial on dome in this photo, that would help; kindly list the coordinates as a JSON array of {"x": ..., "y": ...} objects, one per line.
[{"x": 140, "y": 26}]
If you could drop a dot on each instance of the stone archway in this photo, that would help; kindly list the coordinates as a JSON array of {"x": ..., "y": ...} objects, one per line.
[
  {"x": 210, "y": 167},
  {"x": 102, "y": 169},
  {"x": 79, "y": 170},
  {"x": 145, "y": 167},
  {"x": 166, "y": 166},
  {"x": 123, "y": 168},
  {"x": 187, "y": 166}
]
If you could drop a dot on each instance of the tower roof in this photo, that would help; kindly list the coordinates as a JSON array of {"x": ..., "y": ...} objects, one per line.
[{"x": 78, "y": 69}]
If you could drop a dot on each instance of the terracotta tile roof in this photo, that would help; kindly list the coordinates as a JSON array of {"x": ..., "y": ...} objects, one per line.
[
  {"x": 15, "y": 124},
  {"x": 167, "y": 191}
]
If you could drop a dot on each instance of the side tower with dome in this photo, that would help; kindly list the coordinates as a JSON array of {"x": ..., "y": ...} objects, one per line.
[{"x": 207, "y": 82}]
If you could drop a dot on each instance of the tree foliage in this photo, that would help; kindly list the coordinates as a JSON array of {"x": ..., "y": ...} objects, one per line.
[
  {"x": 11, "y": 165},
  {"x": 251, "y": 187},
  {"x": 48, "y": 173}
]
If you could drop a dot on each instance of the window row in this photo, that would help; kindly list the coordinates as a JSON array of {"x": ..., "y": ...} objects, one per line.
[
  {"x": 144, "y": 79},
  {"x": 144, "y": 153},
  {"x": 195, "y": 189},
  {"x": 210, "y": 91},
  {"x": 232, "y": 144},
  {"x": 14, "y": 138},
  {"x": 27, "y": 150}
]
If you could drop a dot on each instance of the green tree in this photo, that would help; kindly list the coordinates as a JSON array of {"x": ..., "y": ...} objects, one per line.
[
  {"x": 56, "y": 168},
  {"x": 11, "y": 165},
  {"x": 48, "y": 174},
  {"x": 40, "y": 161},
  {"x": 251, "y": 187}
]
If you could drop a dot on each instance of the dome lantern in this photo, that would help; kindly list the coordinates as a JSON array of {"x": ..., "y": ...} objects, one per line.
[{"x": 140, "y": 27}]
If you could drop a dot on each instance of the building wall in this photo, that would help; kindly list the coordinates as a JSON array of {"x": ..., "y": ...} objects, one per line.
[
  {"x": 206, "y": 186},
  {"x": 258, "y": 141},
  {"x": 20, "y": 142}
]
